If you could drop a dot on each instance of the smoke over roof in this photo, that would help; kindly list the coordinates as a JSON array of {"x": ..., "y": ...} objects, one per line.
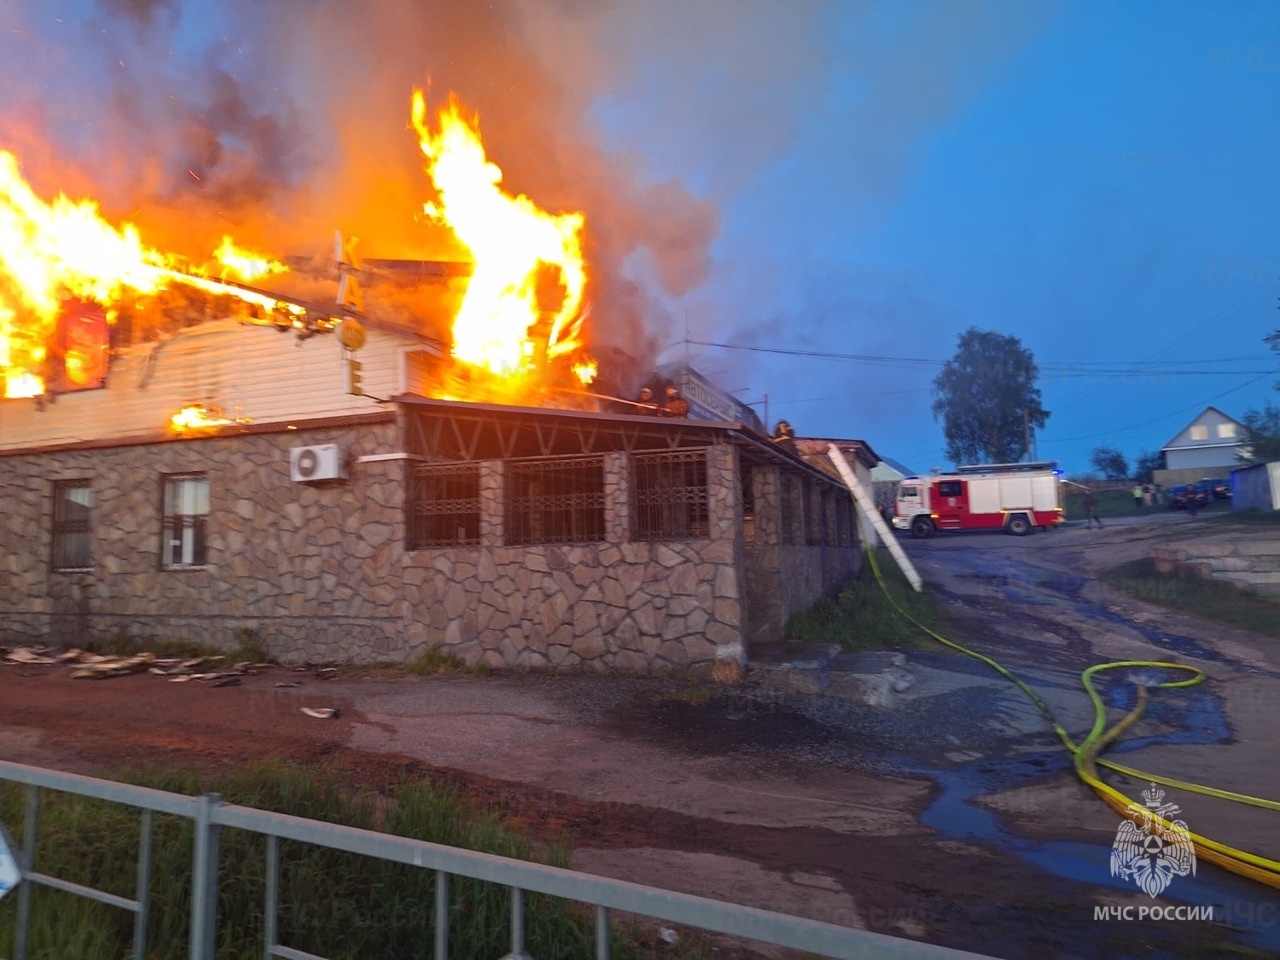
[{"x": 281, "y": 121}]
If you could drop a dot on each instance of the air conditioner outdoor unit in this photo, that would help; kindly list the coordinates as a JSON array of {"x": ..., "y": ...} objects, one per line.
[{"x": 322, "y": 462}]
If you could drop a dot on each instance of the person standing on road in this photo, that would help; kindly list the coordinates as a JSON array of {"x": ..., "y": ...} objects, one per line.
[
  {"x": 1191, "y": 493},
  {"x": 1090, "y": 505},
  {"x": 1137, "y": 496}
]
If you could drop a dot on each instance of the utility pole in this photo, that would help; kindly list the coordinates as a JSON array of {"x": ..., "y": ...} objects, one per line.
[{"x": 1026, "y": 431}]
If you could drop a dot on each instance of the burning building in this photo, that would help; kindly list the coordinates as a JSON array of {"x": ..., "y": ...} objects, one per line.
[{"x": 422, "y": 461}]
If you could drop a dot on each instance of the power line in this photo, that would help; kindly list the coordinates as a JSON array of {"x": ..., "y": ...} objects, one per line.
[
  {"x": 850, "y": 396},
  {"x": 1057, "y": 367},
  {"x": 1172, "y": 413}
]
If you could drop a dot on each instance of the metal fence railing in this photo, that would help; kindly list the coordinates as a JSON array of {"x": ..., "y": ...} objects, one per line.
[{"x": 209, "y": 815}]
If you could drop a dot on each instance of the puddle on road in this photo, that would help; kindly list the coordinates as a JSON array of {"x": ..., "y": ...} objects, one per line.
[
  {"x": 954, "y": 815},
  {"x": 1197, "y": 717}
]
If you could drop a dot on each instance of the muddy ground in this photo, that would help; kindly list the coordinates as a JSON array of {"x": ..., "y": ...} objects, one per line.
[{"x": 952, "y": 816}]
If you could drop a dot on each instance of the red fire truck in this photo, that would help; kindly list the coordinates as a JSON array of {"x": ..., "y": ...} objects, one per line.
[{"x": 1013, "y": 497}]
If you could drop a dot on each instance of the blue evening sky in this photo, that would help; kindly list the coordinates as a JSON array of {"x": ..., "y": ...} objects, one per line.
[{"x": 1101, "y": 185}]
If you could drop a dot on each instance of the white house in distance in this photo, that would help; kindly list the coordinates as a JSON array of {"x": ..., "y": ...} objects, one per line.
[{"x": 1208, "y": 446}]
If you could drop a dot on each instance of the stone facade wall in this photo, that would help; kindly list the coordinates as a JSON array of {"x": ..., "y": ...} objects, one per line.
[
  {"x": 321, "y": 573},
  {"x": 784, "y": 578},
  {"x": 297, "y": 566}
]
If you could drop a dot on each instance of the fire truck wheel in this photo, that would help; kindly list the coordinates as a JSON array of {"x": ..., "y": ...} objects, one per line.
[
  {"x": 1019, "y": 525},
  {"x": 922, "y": 528}
]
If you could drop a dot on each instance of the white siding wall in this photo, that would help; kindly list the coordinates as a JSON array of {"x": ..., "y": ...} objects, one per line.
[
  {"x": 246, "y": 370},
  {"x": 1211, "y": 458}
]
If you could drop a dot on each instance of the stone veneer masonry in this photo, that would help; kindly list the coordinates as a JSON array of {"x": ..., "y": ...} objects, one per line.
[{"x": 321, "y": 573}]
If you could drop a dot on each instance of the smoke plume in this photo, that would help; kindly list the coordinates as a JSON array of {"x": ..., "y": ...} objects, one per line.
[{"x": 280, "y": 121}]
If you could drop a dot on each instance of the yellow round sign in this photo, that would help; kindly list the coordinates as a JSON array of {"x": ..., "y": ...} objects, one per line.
[{"x": 351, "y": 334}]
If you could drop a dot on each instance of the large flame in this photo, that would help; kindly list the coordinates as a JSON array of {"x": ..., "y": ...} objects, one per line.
[
  {"x": 245, "y": 264},
  {"x": 518, "y": 328},
  {"x": 53, "y": 252},
  {"x": 524, "y": 302}
]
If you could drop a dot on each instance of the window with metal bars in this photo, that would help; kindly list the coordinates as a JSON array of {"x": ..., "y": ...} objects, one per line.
[
  {"x": 813, "y": 513},
  {"x": 186, "y": 514},
  {"x": 72, "y": 512},
  {"x": 444, "y": 505},
  {"x": 748, "y": 506},
  {"x": 669, "y": 496},
  {"x": 555, "y": 501},
  {"x": 790, "y": 512},
  {"x": 844, "y": 520}
]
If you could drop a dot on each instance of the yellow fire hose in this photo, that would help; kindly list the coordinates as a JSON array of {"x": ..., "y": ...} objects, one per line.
[{"x": 1087, "y": 755}]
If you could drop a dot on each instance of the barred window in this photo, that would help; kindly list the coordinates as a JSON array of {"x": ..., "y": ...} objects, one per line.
[
  {"x": 791, "y": 511},
  {"x": 669, "y": 496},
  {"x": 555, "y": 501},
  {"x": 186, "y": 513},
  {"x": 72, "y": 511},
  {"x": 813, "y": 500},
  {"x": 844, "y": 520},
  {"x": 748, "y": 506},
  {"x": 444, "y": 505}
]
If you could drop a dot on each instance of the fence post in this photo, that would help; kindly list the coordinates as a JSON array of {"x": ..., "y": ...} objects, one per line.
[
  {"x": 204, "y": 881},
  {"x": 26, "y": 865}
]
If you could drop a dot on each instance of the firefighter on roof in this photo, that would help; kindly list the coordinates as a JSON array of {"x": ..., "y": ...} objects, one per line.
[
  {"x": 645, "y": 404},
  {"x": 675, "y": 405},
  {"x": 784, "y": 436}
]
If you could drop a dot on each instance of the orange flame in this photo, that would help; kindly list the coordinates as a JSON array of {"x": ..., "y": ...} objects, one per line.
[
  {"x": 586, "y": 372},
  {"x": 50, "y": 252},
  {"x": 524, "y": 302},
  {"x": 246, "y": 265}
]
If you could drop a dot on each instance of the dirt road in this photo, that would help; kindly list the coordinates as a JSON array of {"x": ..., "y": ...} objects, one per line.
[{"x": 951, "y": 817}]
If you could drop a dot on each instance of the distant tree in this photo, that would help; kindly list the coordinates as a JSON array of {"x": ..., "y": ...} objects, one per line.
[
  {"x": 1261, "y": 434},
  {"x": 1147, "y": 464},
  {"x": 1109, "y": 462},
  {"x": 1262, "y": 427},
  {"x": 987, "y": 399}
]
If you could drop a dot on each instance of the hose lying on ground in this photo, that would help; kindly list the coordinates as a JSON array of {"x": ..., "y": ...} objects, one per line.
[{"x": 1087, "y": 754}]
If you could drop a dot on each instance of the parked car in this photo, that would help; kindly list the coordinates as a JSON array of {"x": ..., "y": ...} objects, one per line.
[
  {"x": 1180, "y": 496},
  {"x": 1215, "y": 488}
]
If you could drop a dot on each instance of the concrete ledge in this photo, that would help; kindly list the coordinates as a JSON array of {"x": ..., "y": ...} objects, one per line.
[{"x": 1254, "y": 564}]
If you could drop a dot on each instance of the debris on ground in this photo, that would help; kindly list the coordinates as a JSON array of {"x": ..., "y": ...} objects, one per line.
[
  {"x": 211, "y": 669},
  {"x": 321, "y": 713},
  {"x": 96, "y": 666}
]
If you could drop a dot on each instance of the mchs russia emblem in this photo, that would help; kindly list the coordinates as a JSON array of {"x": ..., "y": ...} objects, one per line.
[{"x": 1151, "y": 847}]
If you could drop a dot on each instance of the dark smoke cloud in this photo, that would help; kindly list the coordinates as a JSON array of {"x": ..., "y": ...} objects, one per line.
[{"x": 281, "y": 120}]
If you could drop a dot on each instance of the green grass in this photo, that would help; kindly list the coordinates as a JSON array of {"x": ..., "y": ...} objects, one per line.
[
  {"x": 332, "y": 904},
  {"x": 1211, "y": 599},
  {"x": 1253, "y": 518},
  {"x": 860, "y": 617},
  {"x": 433, "y": 662},
  {"x": 429, "y": 664},
  {"x": 1119, "y": 503}
]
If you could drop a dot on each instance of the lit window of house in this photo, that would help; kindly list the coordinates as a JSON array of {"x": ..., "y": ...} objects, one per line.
[
  {"x": 1226, "y": 431},
  {"x": 72, "y": 510},
  {"x": 1200, "y": 433},
  {"x": 186, "y": 512}
]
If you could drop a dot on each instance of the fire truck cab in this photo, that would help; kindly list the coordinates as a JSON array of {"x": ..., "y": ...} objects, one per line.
[{"x": 1013, "y": 497}]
